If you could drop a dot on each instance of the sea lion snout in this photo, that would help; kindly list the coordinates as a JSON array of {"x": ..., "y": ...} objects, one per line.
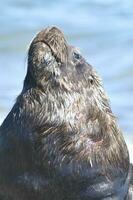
[{"x": 54, "y": 38}]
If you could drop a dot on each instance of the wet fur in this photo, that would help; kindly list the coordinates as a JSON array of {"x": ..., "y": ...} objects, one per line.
[{"x": 61, "y": 139}]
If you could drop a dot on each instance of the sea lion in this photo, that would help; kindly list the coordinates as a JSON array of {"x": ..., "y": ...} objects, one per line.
[{"x": 61, "y": 140}]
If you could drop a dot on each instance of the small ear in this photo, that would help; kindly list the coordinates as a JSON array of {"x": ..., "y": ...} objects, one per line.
[{"x": 55, "y": 39}]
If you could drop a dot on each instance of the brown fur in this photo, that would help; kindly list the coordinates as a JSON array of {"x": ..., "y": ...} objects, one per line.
[{"x": 62, "y": 137}]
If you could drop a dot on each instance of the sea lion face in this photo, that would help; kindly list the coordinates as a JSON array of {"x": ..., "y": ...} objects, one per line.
[
  {"x": 52, "y": 61},
  {"x": 57, "y": 67}
]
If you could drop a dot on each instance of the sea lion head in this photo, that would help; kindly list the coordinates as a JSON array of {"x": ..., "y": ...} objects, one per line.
[
  {"x": 55, "y": 64},
  {"x": 51, "y": 60}
]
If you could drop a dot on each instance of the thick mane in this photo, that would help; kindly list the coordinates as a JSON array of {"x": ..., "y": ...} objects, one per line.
[{"x": 97, "y": 139}]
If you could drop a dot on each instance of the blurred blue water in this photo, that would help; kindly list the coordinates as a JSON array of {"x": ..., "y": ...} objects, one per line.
[{"x": 103, "y": 30}]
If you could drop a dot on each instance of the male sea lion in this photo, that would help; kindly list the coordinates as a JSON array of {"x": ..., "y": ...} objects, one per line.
[{"x": 61, "y": 140}]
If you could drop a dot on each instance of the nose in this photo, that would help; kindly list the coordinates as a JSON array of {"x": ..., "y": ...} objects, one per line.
[{"x": 54, "y": 38}]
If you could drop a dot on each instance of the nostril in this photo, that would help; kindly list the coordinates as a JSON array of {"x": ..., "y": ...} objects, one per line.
[
  {"x": 47, "y": 59},
  {"x": 47, "y": 62}
]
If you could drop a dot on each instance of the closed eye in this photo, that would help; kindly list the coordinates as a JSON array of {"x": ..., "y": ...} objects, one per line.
[
  {"x": 76, "y": 55},
  {"x": 91, "y": 79}
]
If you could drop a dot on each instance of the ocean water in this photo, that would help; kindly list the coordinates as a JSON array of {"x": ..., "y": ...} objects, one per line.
[{"x": 103, "y": 30}]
